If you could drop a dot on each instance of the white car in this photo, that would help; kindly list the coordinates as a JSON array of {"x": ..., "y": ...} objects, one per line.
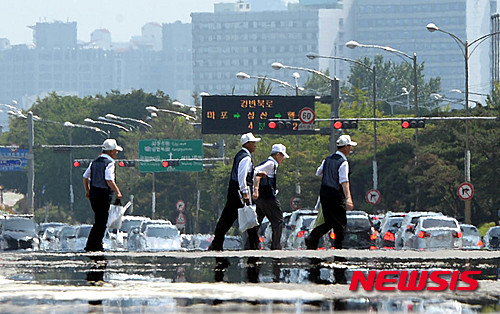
[
  {"x": 471, "y": 239},
  {"x": 302, "y": 228},
  {"x": 492, "y": 238},
  {"x": 160, "y": 237},
  {"x": 407, "y": 227},
  {"x": 436, "y": 232}
]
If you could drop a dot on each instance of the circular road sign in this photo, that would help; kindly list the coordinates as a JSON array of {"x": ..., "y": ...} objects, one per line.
[
  {"x": 465, "y": 191},
  {"x": 296, "y": 203},
  {"x": 307, "y": 115},
  {"x": 180, "y": 205},
  {"x": 373, "y": 197}
]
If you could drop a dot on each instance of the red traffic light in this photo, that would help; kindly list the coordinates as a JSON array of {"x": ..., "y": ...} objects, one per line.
[
  {"x": 337, "y": 125},
  {"x": 405, "y": 124},
  {"x": 76, "y": 164},
  {"x": 121, "y": 164},
  {"x": 164, "y": 164},
  {"x": 272, "y": 125}
]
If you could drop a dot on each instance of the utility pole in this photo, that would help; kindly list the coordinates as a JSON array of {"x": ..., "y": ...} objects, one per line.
[
  {"x": 31, "y": 166},
  {"x": 335, "y": 90}
]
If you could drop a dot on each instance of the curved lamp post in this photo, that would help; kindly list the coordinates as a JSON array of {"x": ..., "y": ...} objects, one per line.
[
  {"x": 115, "y": 117},
  {"x": 243, "y": 75},
  {"x": 464, "y": 47},
  {"x": 374, "y": 92},
  {"x": 334, "y": 88},
  {"x": 154, "y": 110}
]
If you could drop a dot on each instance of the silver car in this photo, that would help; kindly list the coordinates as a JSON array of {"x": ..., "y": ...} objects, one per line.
[
  {"x": 436, "y": 232},
  {"x": 407, "y": 227},
  {"x": 471, "y": 239},
  {"x": 492, "y": 238}
]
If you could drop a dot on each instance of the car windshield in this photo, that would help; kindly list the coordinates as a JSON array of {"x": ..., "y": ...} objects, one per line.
[
  {"x": 161, "y": 232},
  {"x": 84, "y": 231},
  {"x": 361, "y": 223},
  {"x": 469, "y": 230},
  {"x": 23, "y": 225},
  {"x": 68, "y": 232},
  {"x": 127, "y": 224},
  {"x": 394, "y": 222},
  {"x": 438, "y": 223}
]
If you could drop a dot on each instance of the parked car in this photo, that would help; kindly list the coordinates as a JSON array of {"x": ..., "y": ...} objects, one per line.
[
  {"x": 389, "y": 226},
  {"x": 49, "y": 240},
  {"x": 407, "y": 227},
  {"x": 18, "y": 233},
  {"x": 359, "y": 232},
  {"x": 67, "y": 238},
  {"x": 302, "y": 228},
  {"x": 82, "y": 234},
  {"x": 492, "y": 238},
  {"x": 292, "y": 222},
  {"x": 436, "y": 232},
  {"x": 160, "y": 237},
  {"x": 471, "y": 239}
]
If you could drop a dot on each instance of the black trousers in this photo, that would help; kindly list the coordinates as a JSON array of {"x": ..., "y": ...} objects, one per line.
[
  {"x": 100, "y": 206},
  {"x": 228, "y": 216},
  {"x": 270, "y": 208},
  {"x": 334, "y": 211}
]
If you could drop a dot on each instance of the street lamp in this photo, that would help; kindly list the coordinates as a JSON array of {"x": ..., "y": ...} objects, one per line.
[
  {"x": 464, "y": 47},
  {"x": 115, "y": 117},
  {"x": 88, "y": 120},
  {"x": 154, "y": 110},
  {"x": 335, "y": 92},
  {"x": 374, "y": 92},
  {"x": 243, "y": 75}
]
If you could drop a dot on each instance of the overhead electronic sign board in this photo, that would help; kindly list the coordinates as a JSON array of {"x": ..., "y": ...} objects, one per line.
[{"x": 242, "y": 114}]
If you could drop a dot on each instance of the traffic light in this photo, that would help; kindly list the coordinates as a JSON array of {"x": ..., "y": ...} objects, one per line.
[
  {"x": 80, "y": 163},
  {"x": 412, "y": 123},
  {"x": 170, "y": 163},
  {"x": 126, "y": 163},
  {"x": 345, "y": 124},
  {"x": 284, "y": 125}
]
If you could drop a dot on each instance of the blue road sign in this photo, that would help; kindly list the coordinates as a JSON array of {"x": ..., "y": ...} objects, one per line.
[{"x": 13, "y": 159}]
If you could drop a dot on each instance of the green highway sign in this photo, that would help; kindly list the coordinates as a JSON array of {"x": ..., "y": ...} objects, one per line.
[{"x": 162, "y": 152}]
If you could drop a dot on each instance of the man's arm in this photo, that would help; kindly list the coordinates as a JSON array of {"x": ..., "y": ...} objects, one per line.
[
  {"x": 347, "y": 192},
  {"x": 86, "y": 185},
  {"x": 256, "y": 183},
  {"x": 243, "y": 166},
  {"x": 114, "y": 187}
]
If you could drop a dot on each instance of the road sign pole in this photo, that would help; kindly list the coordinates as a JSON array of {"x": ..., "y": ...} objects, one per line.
[
  {"x": 153, "y": 199},
  {"x": 31, "y": 165}
]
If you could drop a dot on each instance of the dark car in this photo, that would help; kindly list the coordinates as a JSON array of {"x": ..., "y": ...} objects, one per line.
[
  {"x": 359, "y": 233},
  {"x": 18, "y": 233}
]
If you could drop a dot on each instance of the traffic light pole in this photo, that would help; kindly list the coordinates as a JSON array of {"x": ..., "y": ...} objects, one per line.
[{"x": 334, "y": 85}]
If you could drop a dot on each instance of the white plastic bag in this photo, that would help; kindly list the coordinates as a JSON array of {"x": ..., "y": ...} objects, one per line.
[
  {"x": 247, "y": 217},
  {"x": 115, "y": 215}
]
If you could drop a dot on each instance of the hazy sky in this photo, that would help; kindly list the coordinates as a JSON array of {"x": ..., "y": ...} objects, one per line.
[{"x": 123, "y": 18}]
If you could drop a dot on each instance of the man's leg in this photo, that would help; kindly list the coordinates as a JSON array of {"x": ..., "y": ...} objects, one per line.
[
  {"x": 228, "y": 216},
  {"x": 312, "y": 239},
  {"x": 272, "y": 209},
  {"x": 100, "y": 206}
]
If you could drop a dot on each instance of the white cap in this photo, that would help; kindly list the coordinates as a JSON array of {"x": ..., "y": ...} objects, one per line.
[
  {"x": 279, "y": 148},
  {"x": 345, "y": 140},
  {"x": 248, "y": 137},
  {"x": 110, "y": 144}
]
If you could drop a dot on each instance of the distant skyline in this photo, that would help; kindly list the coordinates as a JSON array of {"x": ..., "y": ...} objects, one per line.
[{"x": 123, "y": 18}]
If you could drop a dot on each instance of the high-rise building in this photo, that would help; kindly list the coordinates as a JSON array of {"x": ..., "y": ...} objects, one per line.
[
  {"x": 54, "y": 35},
  {"x": 402, "y": 25}
]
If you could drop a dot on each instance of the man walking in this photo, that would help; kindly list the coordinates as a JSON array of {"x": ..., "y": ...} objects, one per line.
[
  {"x": 239, "y": 189},
  {"x": 335, "y": 194},
  {"x": 264, "y": 194},
  {"x": 99, "y": 183}
]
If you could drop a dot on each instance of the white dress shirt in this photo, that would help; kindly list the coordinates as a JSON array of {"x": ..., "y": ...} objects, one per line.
[
  {"x": 269, "y": 167},
  {"x": 244, "y": 167}
]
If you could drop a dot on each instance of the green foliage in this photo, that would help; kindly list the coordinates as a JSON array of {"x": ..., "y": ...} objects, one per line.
[
  {"x": 427, "y": 182},
  {"x": 262, "y": 88}
]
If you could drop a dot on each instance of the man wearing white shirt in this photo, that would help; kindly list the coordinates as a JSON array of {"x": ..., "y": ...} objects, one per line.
[
  {"x": 335, "y": 194},
  {"x": 264, "y": 194},
  {"x": 239, "y": 189},
  {"x": 99, "y": 183}
]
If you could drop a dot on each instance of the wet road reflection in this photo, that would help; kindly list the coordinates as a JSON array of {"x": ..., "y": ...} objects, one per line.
[{"x": 241, "y": 282}]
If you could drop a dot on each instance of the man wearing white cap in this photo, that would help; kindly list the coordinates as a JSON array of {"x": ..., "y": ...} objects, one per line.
[
  {"x": 239, "y": 189},
  {"x": 99, "y": 183},
  {"x": 264, "y": 193},
  {"x": 335, "y": 194}
]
